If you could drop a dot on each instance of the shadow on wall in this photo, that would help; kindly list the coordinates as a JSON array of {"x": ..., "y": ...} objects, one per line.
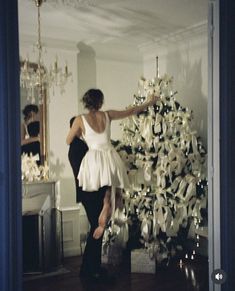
[
  {"x": 86, "y": 65},
  {"x": 56, "y": 167},
  {"x": 67, "y": 185},
  {"x": 188, "y": 81}
]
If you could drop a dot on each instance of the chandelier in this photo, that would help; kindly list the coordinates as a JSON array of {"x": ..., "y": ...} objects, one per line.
[{"x": 35, "y": 78}]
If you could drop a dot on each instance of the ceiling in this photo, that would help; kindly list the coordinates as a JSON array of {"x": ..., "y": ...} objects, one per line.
[{"x": 110, "y": 22}]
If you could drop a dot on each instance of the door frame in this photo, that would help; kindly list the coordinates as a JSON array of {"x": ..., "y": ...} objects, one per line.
[
  {"x": 214, "y": 245},
  {"x": 10, "y": 152}
]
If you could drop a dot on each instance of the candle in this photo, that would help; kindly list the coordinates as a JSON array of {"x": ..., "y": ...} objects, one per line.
[
  {"x": 157, "y": 68},
  {"x": 56, "y": 65},
  {"x": 181, "y": 264},
  {"x": 66, "y": 70}
]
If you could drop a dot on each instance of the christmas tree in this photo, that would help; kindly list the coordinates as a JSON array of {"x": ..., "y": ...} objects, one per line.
[{"x": 166, "y": 164}]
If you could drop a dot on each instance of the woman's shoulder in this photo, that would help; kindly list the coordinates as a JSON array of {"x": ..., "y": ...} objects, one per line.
[
  {"x": 75, "y": 121},
  {"x": 79, "y": 117},
  {"x": 104, "y": 114},
  {"x": 79, "y": 120},
  {"x": 98, "y": 113},
  {"x": 107, "y": 113}
]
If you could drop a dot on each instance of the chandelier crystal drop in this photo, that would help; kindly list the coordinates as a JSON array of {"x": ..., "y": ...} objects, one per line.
[{"x": 35, "y": 78}]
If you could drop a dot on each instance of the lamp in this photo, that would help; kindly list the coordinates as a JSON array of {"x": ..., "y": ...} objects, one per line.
[{"x": 35, "y": 77}]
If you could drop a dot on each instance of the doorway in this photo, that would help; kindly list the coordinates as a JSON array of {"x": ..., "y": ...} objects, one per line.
[{"x": 215, "y": 236}]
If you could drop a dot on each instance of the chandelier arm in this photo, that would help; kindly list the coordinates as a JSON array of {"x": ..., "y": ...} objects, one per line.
[{"x": 39, "y": 47}]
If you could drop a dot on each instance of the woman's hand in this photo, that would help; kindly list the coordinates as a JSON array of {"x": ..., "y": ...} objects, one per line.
[
  {"x": 114, "y": 114},
  {"x": 30, "y": 140},
  {"x": 153, "y": 99}
]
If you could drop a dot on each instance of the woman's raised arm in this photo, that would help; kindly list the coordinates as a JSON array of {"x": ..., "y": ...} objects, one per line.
[{"x": 120, "y": 114}]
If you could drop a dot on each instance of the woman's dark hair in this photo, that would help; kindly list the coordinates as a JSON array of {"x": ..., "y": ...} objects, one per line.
[
  {"x": 71, "y": 121},
  {"x": 28, "y": 109},
  {"x": 93, "y": 99}
]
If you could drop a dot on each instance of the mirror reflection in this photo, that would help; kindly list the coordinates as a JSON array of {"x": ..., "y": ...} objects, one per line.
[
  {"x": 30, "y": 132},
  {"x": 34, "y": 125}
]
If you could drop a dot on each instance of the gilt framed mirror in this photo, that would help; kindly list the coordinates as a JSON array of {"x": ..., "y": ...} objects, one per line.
[{"x": 34, "y": 120}]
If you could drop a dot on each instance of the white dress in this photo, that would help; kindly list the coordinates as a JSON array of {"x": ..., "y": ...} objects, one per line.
[{"x": 102, "y": 165}]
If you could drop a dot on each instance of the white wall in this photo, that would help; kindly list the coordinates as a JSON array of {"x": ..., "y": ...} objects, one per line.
[
  {"x": 185, "y": 57},
  {"x": 61, "y": 108},
  {"x": 116, "y": 75},
  {"x": 118, "y": 80}
]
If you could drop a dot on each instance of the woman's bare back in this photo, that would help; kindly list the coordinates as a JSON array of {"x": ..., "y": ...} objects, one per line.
[{"x": 96, "y": 121}]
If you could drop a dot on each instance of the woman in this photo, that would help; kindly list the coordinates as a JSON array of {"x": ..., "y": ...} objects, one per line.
[
  {"x": 101, "y": 166},
  {"x": 30, "y": 139}
]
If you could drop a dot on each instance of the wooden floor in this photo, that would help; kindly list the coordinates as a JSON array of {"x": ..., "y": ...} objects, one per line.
[{"x": 193, "y": 276}]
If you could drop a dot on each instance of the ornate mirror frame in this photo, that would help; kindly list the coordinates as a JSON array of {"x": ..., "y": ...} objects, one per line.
[{"x": 43, "y": 129}]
